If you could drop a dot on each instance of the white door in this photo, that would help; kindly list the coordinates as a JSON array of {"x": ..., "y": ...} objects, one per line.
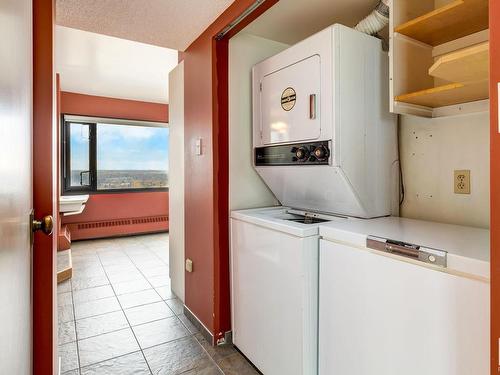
[
  {"x": 15, "y": 186},
  {"x": 290, "y": 103},
  {"x": 176, "y": 179},
  {"x": 379, "y": 315}
]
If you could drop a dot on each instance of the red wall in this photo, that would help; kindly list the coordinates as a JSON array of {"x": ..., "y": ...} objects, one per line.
[
  {"x": 206, "y": 175},
  {"x": 104, "y": 210},
  {"x": 199, "y": 203},
  {"x": 495, "y": 182},
  {"x": 117, "y": 213}
]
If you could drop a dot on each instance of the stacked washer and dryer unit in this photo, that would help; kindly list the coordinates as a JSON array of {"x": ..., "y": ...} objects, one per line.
[
  {"x": 390, "y": 295},
  {"x": 325, "y": 144}
]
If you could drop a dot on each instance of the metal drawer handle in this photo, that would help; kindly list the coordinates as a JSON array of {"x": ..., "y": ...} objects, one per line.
[
  {"x": 405, "y": 251},
  {"x": 312, "y": 106}
]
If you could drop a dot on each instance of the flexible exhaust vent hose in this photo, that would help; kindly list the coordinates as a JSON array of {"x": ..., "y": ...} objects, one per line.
[{"x": 376, "y": 20}]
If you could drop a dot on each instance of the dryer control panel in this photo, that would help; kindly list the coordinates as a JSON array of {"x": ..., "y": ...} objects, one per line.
[{"x": 310, "y": 153}]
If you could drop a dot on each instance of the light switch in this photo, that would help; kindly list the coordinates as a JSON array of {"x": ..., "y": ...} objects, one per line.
[{"x": 198, "y": 146}]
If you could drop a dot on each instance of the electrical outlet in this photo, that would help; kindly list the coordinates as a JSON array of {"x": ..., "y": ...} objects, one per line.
[{"x": 461, "y": 181}]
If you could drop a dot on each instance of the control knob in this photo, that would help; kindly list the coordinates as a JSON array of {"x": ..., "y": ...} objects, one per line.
[
  {"x": 321, "y": 153},
  {"x": 302, "y": 154}
]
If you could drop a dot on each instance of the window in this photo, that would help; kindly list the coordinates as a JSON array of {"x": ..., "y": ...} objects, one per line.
[{"x": 114, "y": 155}]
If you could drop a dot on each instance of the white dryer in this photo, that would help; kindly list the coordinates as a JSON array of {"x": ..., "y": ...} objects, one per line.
[{"x": 323, "y": 137}]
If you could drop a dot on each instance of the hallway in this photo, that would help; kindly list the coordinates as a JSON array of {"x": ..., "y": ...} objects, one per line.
[{"x": 117, "y": 315}]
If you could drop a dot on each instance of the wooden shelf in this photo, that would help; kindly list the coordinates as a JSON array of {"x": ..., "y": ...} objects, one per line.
[
  {"x": 452, "y": 21},
  {"x": 466, "y": 65},
  {"x": 450, "y": 94}
]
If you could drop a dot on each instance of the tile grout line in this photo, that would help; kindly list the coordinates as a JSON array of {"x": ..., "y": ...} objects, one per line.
[
  {"x": 182, "y": 323},
  {"x": 209, "y": 356},
  {"x": 76, "y": 333},
  {"x": 175, "y": 315},
  {"x": 109, "y": 359},
  {"x": 137, "y": 351},
  {"x": 126, "y": 318},
  {"x": 147, "y": 280},
  {"x": 130, "y": 326},
  {"x": 150, "y": 282},
  {"x": 96, "y": 252}
]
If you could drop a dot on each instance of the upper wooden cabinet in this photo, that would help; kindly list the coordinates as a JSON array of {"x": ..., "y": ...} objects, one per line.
[{"x": 439, "y": 56}]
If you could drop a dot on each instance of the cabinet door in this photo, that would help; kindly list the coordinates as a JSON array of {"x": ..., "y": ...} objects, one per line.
[
  {"x": 379, "y": 315},
  {"x": 290, "y": 103}
]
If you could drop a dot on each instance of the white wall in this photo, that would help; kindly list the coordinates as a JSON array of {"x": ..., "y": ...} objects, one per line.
[
  {"x": 176, "y": 180},
  {"x": 102, "y": 65},
  {"x": 246, "y": 189},
  {"x": 431, "y": 149}
]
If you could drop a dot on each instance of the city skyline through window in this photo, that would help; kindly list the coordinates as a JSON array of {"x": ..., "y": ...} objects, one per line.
[{"x": 117, "y": 157}]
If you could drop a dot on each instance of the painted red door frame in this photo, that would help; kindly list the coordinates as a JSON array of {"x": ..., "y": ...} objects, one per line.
[
  {"x": 45, "y": 360},
  {"x": 494, "y": 7},
  {"x": 220, "y": 91},
  {"x": 207, "y": 175}
]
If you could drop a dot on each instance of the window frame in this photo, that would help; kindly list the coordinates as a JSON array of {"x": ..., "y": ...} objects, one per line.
[{"x": 66, "y": 187}]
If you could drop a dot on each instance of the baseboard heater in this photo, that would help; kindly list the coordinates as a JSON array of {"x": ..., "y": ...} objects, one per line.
[{"x": 122, "y": 222}]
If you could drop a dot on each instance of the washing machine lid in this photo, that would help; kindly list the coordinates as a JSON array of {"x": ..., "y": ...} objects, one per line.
[
  {"x": 468, "y": 248},
  {"x": 279, "y": 219}
]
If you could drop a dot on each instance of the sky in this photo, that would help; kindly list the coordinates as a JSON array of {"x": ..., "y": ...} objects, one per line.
[{"x": 122, "y": 147}]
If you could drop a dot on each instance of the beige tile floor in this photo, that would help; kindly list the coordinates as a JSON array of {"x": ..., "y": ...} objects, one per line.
[{"x": 117, "y": 315}]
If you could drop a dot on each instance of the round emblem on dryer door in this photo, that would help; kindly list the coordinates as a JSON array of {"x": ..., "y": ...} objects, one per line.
[{"x": 288, "y": 99}]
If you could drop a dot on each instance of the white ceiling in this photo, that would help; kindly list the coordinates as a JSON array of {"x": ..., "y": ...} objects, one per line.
[
  {"x": 101, "y": 65},
  {"x": 165, "y": 23},
  {"x": 96, "y": 64},
  {"x": 290, "y": 21}
]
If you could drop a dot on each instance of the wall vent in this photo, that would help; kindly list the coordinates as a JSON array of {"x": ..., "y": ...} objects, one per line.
[{"x": 122, "y": 222}]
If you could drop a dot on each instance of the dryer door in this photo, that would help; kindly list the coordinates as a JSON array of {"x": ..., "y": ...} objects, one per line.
[{"x": 290, "y": 103}]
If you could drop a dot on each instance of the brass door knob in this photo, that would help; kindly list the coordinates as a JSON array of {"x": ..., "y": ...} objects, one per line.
[{"x": 46, "y": 225}]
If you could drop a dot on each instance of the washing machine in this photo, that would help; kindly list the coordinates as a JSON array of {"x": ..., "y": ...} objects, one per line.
[{"x": 274, "y": 288}]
